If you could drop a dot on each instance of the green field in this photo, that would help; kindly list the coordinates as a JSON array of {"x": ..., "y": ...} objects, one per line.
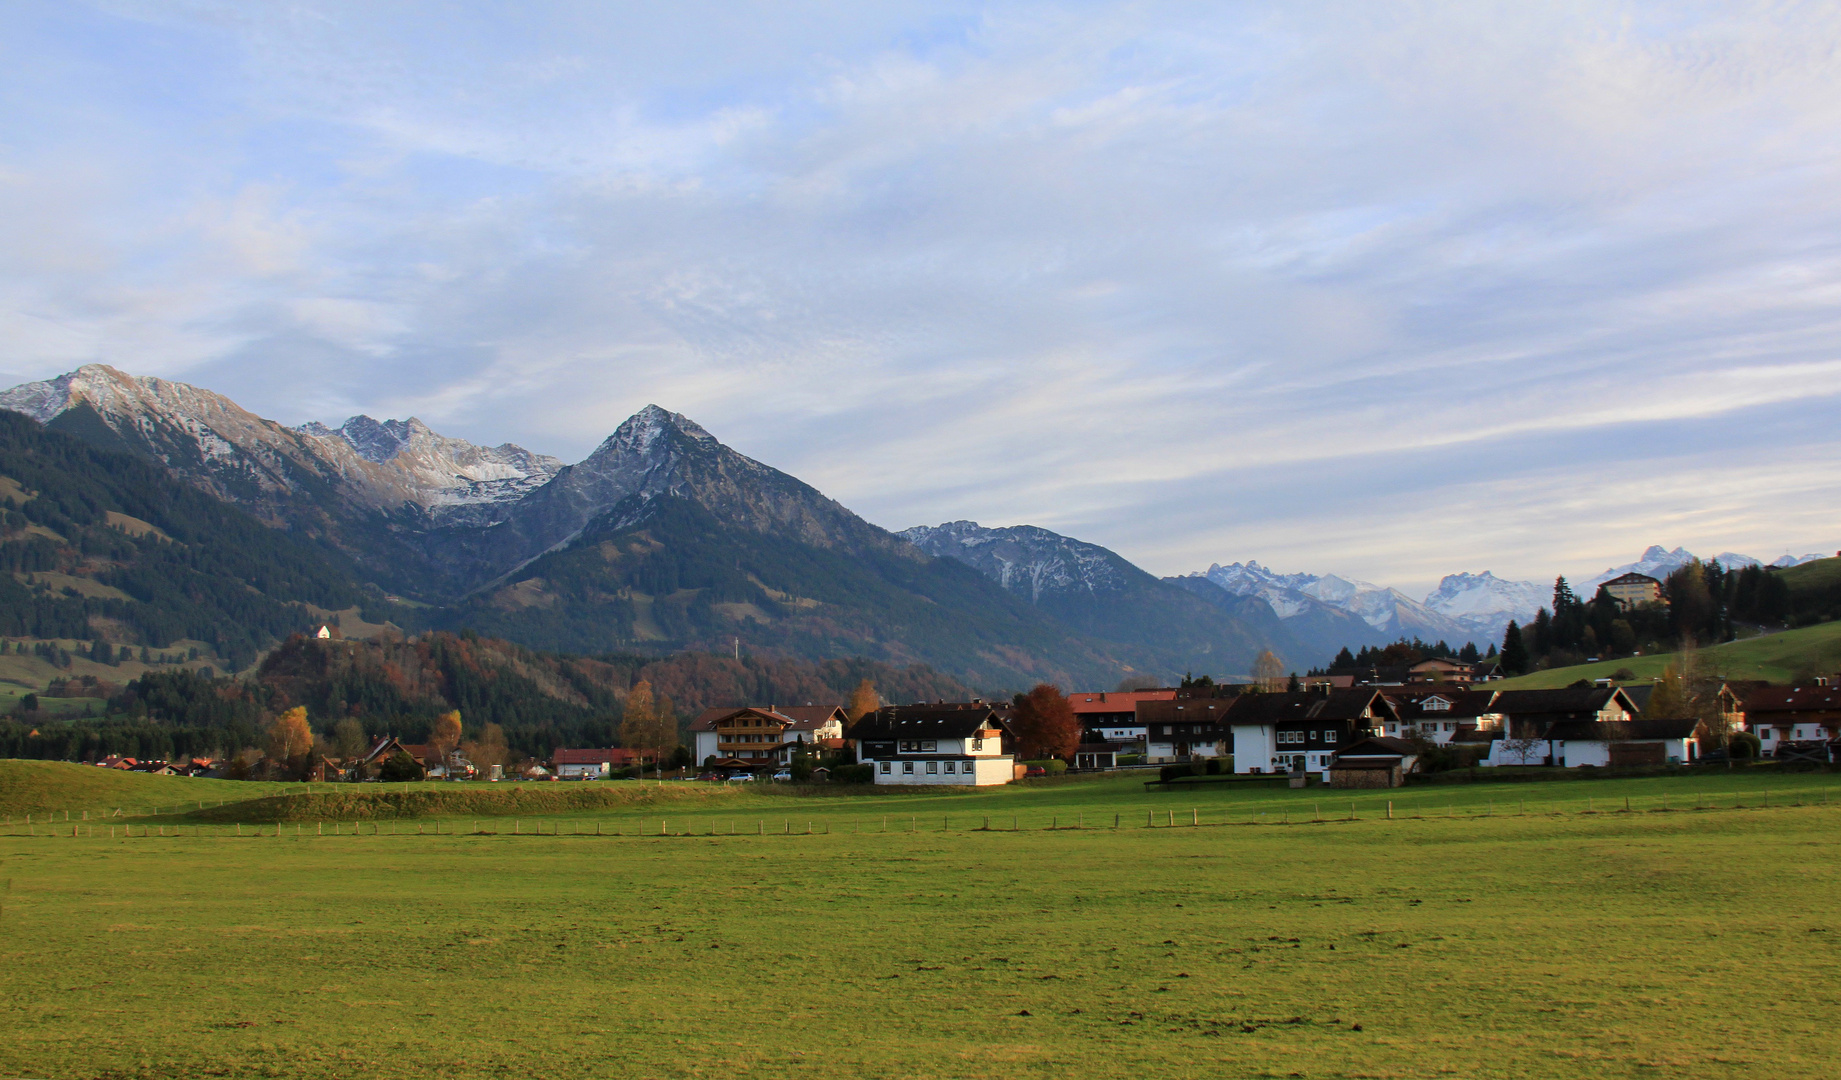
[
  {"x": 1496, "y": 929},
  {"x": 1775, "y": 658}
]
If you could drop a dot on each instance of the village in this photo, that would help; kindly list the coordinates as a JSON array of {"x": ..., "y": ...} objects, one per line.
[{"x": 1377, "y": 730}]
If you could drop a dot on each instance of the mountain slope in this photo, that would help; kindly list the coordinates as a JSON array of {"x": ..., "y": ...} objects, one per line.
[
  {"x": 103, "y": 546},
  {"x": 369, "y": 488},
  {"x": 1097, "y": 592},
  {"x": 1484, "y": 604},
  {"x": 664, "y": 571}
]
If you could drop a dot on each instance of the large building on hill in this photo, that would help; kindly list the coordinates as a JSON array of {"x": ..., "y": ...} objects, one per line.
[
  {"x": 947, "y": 743},
  {"x": 1633, "y": 590}
]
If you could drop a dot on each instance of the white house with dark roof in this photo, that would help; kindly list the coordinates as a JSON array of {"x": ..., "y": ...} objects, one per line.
[{"x": 934, "y": 744}]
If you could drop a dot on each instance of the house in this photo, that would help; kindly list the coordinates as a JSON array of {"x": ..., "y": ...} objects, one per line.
[
  {"x": 1782, "y": 717},
  {"x": 1577, "y": 743},
  {"x": 1630, "y": 590},
  {"x": 1440, "y": 669},
  {"x": 1185, "y": 728},
  {"x": 594, "y": 764},
  {"x": 934, "y": 744},
  {"x": 763, "y": 738},
  {"x": 1301, "y": 730},
  {"x": 1373, "y": 762},
  {"x": 1522, "y": 719},
  {"x": 1436, "y": 715},
  {"x": 1112, "y": 716}
]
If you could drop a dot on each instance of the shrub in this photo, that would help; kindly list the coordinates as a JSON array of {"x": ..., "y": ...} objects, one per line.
[
  {"x": 1171, "y": 772},
  {"x": 1051, "y": 766},
  {"x": 399, "y": 769},
  {"x": 1743, "y": 746},
  {"x": 1623, "y": 674},
  {"x": 1213, "y": 768},
  {"x": 853, "y": 774}
]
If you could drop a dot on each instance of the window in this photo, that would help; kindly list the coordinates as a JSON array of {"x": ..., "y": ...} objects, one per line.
[
  {"x": 885, "y": 767},
  {"x": 1435, "y": 705},
  {"x": 1291, "y": 736},
  {"x": 949, "y": 767},
  {"x": 977, "y": 744},
  {"x": 929, "y": 745},
  {"x": 910, "y": 746},
  {"x": 907, "y": 767},
  {"x": 933, "y": 767}
]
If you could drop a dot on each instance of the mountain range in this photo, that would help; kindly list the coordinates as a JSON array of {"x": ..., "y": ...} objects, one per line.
[{"x": 664, "y": 539}]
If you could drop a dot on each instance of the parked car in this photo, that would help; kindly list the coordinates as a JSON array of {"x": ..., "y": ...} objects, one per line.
[
  {"x": 710, "y": 776},
  {"x": 741, "y": 778},
  {"x": 783, "y": 776},
  {"x": 1035, "y": 770}
]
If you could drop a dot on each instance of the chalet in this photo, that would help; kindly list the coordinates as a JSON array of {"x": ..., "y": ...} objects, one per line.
[
  {"x": 763, "y": 738},
  {"x": 1178, "y": 730},
  {"x": 1631, "y": 590},
  {"x": 1577, "y": 743},
  {"x": 1522, "y": 719},
  {"x": 1375, "y": 761},
  {"x": 1436, "y": 715},
  {"x": 1112, "y": 716},
  {"x": 1438, "y": 669},
  {"x": 1783, "y": 717},
  {"x": 934, "y": 744},
  {"x": 1300, "y": 731}
]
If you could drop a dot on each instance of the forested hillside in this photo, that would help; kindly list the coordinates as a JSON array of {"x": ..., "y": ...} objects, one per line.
[
  {"x": 390, "y": 686},
  {"x": 105, "y": 547}
]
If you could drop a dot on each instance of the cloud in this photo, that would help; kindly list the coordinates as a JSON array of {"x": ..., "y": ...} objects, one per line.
[{"x": 1161, "y": 274}]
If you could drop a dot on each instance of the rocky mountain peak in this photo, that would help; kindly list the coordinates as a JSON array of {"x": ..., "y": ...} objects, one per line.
[{"x": 1025, "y": 559}]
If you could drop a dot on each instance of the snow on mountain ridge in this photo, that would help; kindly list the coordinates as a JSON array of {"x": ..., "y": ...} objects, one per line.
[{"x": 1022, "y": 558}]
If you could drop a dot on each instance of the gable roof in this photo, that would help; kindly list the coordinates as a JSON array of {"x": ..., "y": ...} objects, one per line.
[
  {"x": 1563, "y": 700},
  {"x": 924, "y": 722},
  {"x": 1307, "y": 705},
  {"x": 1116, "y": 701},
  {"x": 1185, "y": 711},
  {"x": 1376, "y": 746},
  {"x": 1409, "y": 702},
  {"x": 613, "y": 755},
  {"x": 793, "y": 717}
]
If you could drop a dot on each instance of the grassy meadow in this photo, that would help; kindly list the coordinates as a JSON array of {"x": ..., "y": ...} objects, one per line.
[
  {"x": 1778, "y": 658},
  {"x": 1496, "y": 929}
]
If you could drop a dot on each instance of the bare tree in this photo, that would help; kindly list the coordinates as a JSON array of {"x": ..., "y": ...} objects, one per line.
[{"x": 1269, "y": 672}]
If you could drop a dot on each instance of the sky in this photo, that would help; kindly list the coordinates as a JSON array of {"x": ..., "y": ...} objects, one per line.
[{"x": 1390, "y": 290}]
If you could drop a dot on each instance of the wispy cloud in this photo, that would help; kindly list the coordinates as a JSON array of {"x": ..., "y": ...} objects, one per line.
[{"x": 1387, "y": 289}]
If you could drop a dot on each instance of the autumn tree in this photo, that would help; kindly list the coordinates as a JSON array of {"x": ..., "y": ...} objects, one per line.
[
  {"x": 1044, "y": 723},
  {"x": 648, "y": 725},
  {"x": 1269, "y": 672},
  {"x": 863, "y": 701},
  {"x": 487, "y": 750},
  {"x": 446, "y": 733},
  {"x": 289, "y": 736}
]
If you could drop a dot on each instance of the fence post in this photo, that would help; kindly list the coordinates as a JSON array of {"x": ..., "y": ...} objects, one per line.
[
  {"x": 1390, "y": 809},
  {"x": 1115, "y": 821},
  {"x": 1195, "y": 817}
]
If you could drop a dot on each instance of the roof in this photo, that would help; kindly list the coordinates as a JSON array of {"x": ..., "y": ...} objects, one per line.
[
  {"x": 1565, "y": 699},
  {"x": 1376, "y": 746},
  {"x": 1409, "y": 702},
  {"x": 924, "y": 722},
  {"x": 794, "y": 717},
  {"x": 1632, "y": 579},
  {"x": 1793, "y": 699},
  {"x": 1116, "y": 701},
  {"x": 1186, "y": 711},
  {"x": 1305, "y": 705},
  {"x": 1628, "y": 730}
]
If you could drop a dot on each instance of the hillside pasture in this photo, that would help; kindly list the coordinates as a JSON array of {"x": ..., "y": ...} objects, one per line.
[{"x": 1779, "y": 658}]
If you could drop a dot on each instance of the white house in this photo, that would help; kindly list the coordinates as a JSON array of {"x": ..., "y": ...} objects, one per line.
[
  {"x": 1635, "y": 742},
  {"x": 934, "y": 744},
  {"x": 1302, "y": 730},
  {"x": 591, "y": 764},
  {"x": 1436, "y": 713},
  {"x": 1112, "y": 715}
]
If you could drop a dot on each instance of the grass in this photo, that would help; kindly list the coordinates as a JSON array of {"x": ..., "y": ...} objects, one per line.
[
  {"x": 1464, "y": 936},
  {"x": 1777, "y": 658},
  {"x": 40, "y": 787}
]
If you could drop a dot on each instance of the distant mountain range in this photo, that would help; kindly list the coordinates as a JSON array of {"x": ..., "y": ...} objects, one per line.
[{"x": 665, "y": 539}]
